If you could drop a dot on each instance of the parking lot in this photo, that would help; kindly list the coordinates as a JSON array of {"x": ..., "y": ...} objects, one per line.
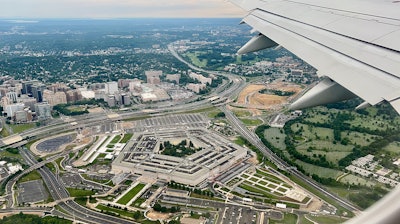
[
  {"x": 32, "y": 192},
  {"x": 71, "y": 180},
  {"x": 53, "y": 144},
  {"x": 171, "y": 121}
]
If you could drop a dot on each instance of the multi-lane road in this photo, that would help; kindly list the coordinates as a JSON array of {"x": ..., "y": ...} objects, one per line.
[
  {"x": 255, "y": 140},
  {"x": 229, "y": 90},
  {"x": 58, "y": 192}
]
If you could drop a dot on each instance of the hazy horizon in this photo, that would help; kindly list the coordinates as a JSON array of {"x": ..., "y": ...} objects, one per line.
[{"x": 122, "y": 9}]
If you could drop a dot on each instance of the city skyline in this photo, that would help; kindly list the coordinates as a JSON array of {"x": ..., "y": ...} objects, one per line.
[{"x": 119, "y": 9}]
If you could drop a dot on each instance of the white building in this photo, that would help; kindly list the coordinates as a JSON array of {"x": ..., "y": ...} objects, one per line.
[
  {"x": 54, "y": 98},
  {"x": 11, "y": 109},
  {"x": 43, "y": 111},
  {"x": 200, "y": 78},
  {"x": 12, "y": 96},
  {"x": 111, "y": 88}
]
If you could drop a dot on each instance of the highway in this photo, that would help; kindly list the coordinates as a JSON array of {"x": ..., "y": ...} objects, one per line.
[
  {"x": 255, "y": 140},
  {"x": 229, "y": 90},
  {"x": 59, "y": 192}
]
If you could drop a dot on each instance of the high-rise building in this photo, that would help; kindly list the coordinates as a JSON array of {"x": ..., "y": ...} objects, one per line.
[
  {"x": 175, "y": 78},
  {"x": 54, "y": 98},
  {"x": 73, "y": 95},
  {"x": 21, "y": 116},
  {"x": 125, "y": 99},
  {"x": 134, "y": 86},
  {"x": 27, "y": 86},
  {"x": 37, "y": 92},
  {"x": 12, "y": 96},
  {"x": 111, "y": 101},
  {"x": 43, "y": 111},
  {"x": 153, "y": 77},
  {"x": 123, "y": 83},
  {"x": 11, "y": 109},
  {"x": 111, "y": 87}
]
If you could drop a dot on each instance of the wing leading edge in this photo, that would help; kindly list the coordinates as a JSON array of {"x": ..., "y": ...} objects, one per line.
[{"x": 352, "y": 43}]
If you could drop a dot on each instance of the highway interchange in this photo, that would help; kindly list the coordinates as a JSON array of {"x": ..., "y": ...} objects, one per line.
[{"x": 71, "y": 209}]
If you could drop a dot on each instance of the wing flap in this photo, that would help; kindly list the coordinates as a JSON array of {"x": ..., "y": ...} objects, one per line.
[{"x": 363, "y": 80}]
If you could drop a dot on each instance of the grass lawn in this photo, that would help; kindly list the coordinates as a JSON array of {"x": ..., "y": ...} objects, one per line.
[
  {"x": 240, "y": 141},
  {"x": 132, "y": 193},
  {"x": 115, "y": 210},
  {"x": 81, "y": 201},
  {"x": 275, "y": 137},
  {"x": 241, "y": 113},
  {"x": 303, "y": 220},
  {"x": 342, "y": 191},
  {"x": 288, "y": 218},
  {"x": 331, "y": 156},
  {"x": 352, "y": 179},
  {"x": 115, "y": 139},
  {"x": 213, "y": 114},
  {"x": 79, "y": 192},
  {"x": 362, "y": 139},
  {"x": 327, "y": 219},
  {"x": 393, "y": 147},
  {"x": 251, "y": 122},
  {"x": 126, "y": 138},
  {"x": 138, "y": 202},
  {"x": 58, "y": 161},
  {"x": 4, "y": 132},
  {"x": 195, "y": 60},
  {"x": 76, "y": 108},
  {"x": 320, "y": 171},
  {"x": 18, "y": 128},
  {"x": 34, "y": 175},
  {"x": 4, "y": 153},
  {"x": 51, "y": 167}
]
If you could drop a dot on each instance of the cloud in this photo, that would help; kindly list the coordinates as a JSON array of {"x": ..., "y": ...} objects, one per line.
[{"x": 117, "y": 8}]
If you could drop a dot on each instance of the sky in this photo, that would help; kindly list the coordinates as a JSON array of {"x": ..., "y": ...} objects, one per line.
[{"x": 118, "y": 9}]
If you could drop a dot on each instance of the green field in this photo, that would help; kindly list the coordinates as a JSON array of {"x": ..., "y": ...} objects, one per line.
[
  {"x": 241, "y": 113},
  {"x": 320, "y": 171},
  {"x": 115, "y": 210},
  {"x": 327, "y": 219},
  {"x": 5, "y": 154},
  {"x": 358, "y": 138},
  {"x": 115, "y": 139},
  {"x": 276, "y": 137},
  {"x": 303, "y": 220},
  {"x": 251, "y": 122},
  {"x": 34, "y": 175},
  {"x": 18, "y": 128},
  {"x": 195, "y": 60},
  {"x": 132, "y": 193},
  {"x": 126, "y": 138},
  {"x": 4, "y": 132},
  {"x": 79, "y": 192},
  {"x": 51, "y": 167},
  {"x": 343, "y": 191},
  {"x": 331, "y": 156},
  {"x": 393, "y": 148},
  {"x": 288, "y": 218},
  {"x": 352, "y": 179},
  {"x": 213, "y": 114}
]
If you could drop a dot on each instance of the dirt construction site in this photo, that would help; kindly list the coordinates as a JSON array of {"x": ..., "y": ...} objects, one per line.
[{"x": 252, "y": 97}]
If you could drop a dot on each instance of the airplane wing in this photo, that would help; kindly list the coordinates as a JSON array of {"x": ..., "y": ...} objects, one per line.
[{"x": 354, "y": 45}]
